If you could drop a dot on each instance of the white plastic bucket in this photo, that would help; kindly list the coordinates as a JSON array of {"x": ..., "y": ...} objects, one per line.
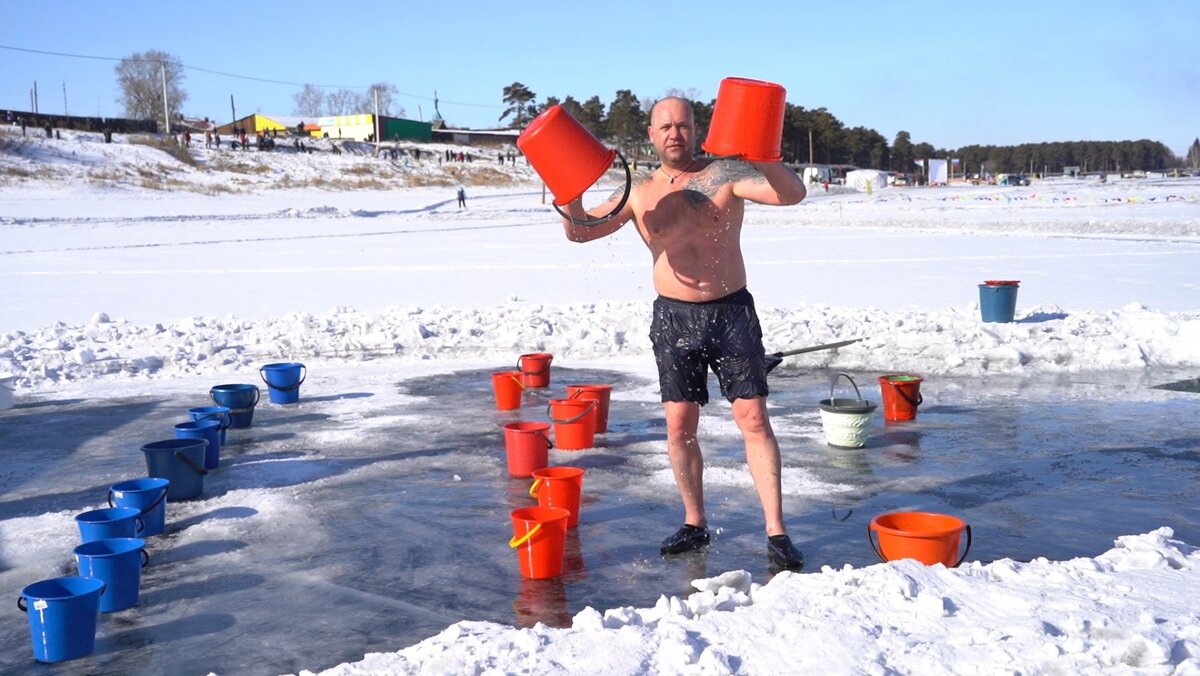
[
  {"x": 845, "y": 421},
  {"x": 7, "y": 387},
  {"x": 846, "y": 430}
]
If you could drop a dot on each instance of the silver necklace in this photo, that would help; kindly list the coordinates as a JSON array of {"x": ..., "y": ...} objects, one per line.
[{"x": 671, "y": 179}]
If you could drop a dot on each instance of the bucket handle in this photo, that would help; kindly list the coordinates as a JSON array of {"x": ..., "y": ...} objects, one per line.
[
  {"x": 832, "y": 383},
  {"x": 226, "y": 419},
  {"x": 920, "y": 399},
  {"x": 532, "y": 373},
  {"x": 549, "y": 408},
  {"x": 149, "y": 507},
  {"x": 303, "y": 375},
  {"x": 141, "y": 524},
  {"x": 24, "y": 609},
  {"x": 956, "y": 564},
  {"x": 515, "y": 541},
  {"x": 589, "y": 222},
  {"x": 145, "y": 557},
  {"x": 533, "y": 490},
  {"x": 188, "y": 461},
  {"x": 833, "y": 513},
  {"x": 213, "y": 396}
]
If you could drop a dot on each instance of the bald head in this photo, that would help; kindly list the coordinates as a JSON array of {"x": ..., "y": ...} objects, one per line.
[{"x": 676, "y": 103}]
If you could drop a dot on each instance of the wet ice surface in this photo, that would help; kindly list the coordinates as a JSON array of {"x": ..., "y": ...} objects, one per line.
[{"x": 339, "y": 527}]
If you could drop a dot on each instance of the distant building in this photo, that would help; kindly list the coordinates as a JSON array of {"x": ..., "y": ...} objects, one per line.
[{"x": 362, "y": 127}]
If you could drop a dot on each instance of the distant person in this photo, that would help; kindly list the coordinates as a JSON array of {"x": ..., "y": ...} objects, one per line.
[
  {"x": 462, "y": 198},
  {"x": 689, "y": 213},
  {"x": 207, "y": 138},
  {"x": 217, "y": 140}
]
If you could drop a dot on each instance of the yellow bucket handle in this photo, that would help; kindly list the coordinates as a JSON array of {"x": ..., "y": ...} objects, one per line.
[
  {"x": 515, "y": 541},
  {"x": 533, "y": 490},
  {"x": 519, "y": 383}
]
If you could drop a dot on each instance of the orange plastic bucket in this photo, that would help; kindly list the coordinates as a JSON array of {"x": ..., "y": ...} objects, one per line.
[
  {"x": 559, "y": 487},
  {"x": 574, "y": 423},
  {"x": 901, "y": 395},
  {"x": 527, "y": 446},
  {"x": 747, "y": 120},
  {"x": 601, "y": 394},
  {"x": 535, "y": 369},
  {"x": 538, "y": 535},
  {"x": 564, "y": 153},
  {"x": 928, "y": 537},
  {"x": 507, "y": 386}
]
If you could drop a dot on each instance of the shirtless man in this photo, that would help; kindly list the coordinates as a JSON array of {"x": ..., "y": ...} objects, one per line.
[{"x": 689, "y": 214}]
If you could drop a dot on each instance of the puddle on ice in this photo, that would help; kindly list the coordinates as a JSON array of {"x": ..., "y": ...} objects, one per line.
[{"x": 330, "y": 532}]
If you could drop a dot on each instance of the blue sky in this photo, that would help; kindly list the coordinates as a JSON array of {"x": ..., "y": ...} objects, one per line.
[{"x": 949, "y": 73}]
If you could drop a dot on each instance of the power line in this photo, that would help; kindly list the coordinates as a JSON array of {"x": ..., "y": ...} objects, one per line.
[{"x": 239, "y": 77}]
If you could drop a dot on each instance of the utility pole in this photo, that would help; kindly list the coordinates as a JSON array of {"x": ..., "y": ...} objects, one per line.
[
  {"x": 377, "y": 139},
  {"x": 232, "y": 110},
  {"x": 65, "y": 110},
  {"x": 166, "y": 107},
  {"x": 810, "y": 146},
  {"x": 35, "y": 98}
]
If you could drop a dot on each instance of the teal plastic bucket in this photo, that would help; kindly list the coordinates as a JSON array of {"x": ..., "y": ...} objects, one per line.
[
  {"x": 283, "y": 381},
  {"x": 62, "y": 615},
  {"x": 110, "y": 522},
  {"x": 998, "y": 301},
  {"x": 210, "y": 431},
  {"x": 148, "y": 495},
  {"x": 218, "y": 413},
  {"x": 240, "y": 398},
  {"x": 117, "y": 562},
  {"x": 180, "y": 461}
]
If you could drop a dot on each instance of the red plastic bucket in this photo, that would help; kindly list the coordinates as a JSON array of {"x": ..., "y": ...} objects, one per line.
[
  {"x": 538, "y": 535},
  {"x": 559, "y": 487},
  {"x": 535, "y": 369},
  {"x": 747, "y": 120},
  {"x": 601, "y": 394},
  {"x": 928, "y": 537},
  {"x": 527, "y": 445},
  {"x": 564, "y": 153},
  {"x": 574, "y": 423},
  {"x": 507, "y": 386},
  {"x": 901, "y": 396}
]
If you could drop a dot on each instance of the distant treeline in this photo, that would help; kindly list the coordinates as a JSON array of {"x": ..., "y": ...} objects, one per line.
[{"x": 820, "y": 137}]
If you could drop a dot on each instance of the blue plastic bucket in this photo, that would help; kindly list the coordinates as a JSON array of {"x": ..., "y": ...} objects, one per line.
[
  {"x": 117, "y": 562},
  {"x": 240, "y": 398},
  {"x": 998, "y": 301},
  {"x": 283, "y": 381},
  {"x": 62, "y": 616},
  {"x": 180, "y": 461},
  {"x": 218, "y": 413},
  {"x": 210, "y": 431},
  {"x": 110, "y": 522},
  {"x": 147, "y": 495}
]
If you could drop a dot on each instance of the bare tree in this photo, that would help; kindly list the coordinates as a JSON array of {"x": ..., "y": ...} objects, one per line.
[
  {"x": 140, "y": 80},
  {"x": 387, "y": 99},
  {"x": 342, "y": 102},
  {"x": 309, "y": 101}
]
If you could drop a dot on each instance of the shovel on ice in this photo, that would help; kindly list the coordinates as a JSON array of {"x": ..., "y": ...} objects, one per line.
[{"x": 776, "y": 358}]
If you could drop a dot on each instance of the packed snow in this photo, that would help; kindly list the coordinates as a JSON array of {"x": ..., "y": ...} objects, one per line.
[{"x": 125, "y": 269}]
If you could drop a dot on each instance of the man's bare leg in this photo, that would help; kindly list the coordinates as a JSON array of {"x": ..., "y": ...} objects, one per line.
[
  {"x": 762, "y": 455},
  {"x": 687, "y": 462}
]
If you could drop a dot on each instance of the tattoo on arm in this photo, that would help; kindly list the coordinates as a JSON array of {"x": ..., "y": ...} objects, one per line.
[{"x": 723, "y": 172}]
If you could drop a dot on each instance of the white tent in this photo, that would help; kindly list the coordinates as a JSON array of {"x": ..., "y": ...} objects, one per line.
[
  {"x": 937, "y": 172},
  {"x": 860, "y": 179}
]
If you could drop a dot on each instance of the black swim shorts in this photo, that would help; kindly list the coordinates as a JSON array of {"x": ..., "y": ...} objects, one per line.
[{"x": 723, "y": 334}]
